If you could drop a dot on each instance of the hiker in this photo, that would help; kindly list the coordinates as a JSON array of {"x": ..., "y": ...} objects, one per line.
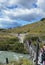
[{"x": 43, "y": 55}]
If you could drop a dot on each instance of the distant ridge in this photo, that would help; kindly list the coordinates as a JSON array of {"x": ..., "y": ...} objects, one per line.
[{"x": 37, "y": 27}]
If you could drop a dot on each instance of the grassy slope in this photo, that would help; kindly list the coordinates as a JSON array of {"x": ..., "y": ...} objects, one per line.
[{"x": 35, "y": 28}]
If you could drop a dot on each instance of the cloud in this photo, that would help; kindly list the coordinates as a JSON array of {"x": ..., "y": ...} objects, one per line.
[
  {"x": 8, "y": 23},
  {"x": 21, "y": 3},
  {"x": 1, "y": 26},
  {"x": 41, "y": 4},
  {"x": 27, "y": 10},
  {"x": 24, "y": 14},
  {"x": 2, "y": 1}
]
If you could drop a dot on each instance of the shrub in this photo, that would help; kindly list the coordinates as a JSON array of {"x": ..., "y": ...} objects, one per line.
[{"x": 21, "y": 62}]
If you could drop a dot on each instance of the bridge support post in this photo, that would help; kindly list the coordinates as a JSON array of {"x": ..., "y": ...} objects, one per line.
[{"x": 7, "y": 61}]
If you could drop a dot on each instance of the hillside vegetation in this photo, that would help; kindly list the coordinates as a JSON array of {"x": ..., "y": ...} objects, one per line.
[
  {"x": 34, "y": 28},
  {"x": 22, "y": 61},
  {"x": 11, "y": 42}
]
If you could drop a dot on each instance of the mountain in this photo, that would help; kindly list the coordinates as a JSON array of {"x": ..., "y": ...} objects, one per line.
[{"x": 34, "y": 28}]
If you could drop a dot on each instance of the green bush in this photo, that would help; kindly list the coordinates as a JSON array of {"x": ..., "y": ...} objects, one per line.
[
  {"x": 21, "y": 62},
  {"x": 12, "y": 44}
]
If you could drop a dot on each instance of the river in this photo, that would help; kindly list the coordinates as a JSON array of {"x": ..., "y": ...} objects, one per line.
[{"x": 11, "y": 56}]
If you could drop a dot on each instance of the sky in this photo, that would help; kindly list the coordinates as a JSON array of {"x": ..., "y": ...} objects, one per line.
[{"x": 20, "y": 12}]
